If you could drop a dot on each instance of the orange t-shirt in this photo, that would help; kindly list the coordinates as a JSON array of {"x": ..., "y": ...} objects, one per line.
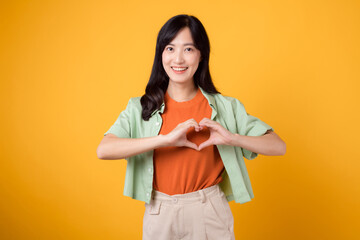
[{"x": 179, "y": 170}]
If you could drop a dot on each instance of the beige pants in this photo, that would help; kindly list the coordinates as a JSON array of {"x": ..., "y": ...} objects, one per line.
[{"x": 200, "y": 215}]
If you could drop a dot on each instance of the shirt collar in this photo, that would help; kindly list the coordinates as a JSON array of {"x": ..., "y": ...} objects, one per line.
[
  {"x": 212, "y": 102},
  {"x": 161, "y": 109},
  {"x": 208, "y": 96}
]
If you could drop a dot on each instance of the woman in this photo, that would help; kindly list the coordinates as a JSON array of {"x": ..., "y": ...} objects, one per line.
[{"x": 185, "y": 142}]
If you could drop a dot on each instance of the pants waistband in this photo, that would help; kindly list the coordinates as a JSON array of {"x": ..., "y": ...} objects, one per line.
[{"x": 196, "y": 196}]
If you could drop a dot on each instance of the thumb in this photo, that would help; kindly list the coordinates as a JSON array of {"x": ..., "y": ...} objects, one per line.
[
  {"x": 191, "y": 145},
  {"x": 205, "y": 144}
]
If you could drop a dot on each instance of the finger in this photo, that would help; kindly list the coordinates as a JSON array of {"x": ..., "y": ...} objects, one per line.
[
  {"x": 195, "y": 126},
  {"x": 207, "y": 121},
  {"x": 192, "y": 123},
  {"x": 209, "y": 125},
  {"x": 191, "y": 145},
  {"x": 198, "y": 128},
  {"x": 205, "y": 144},
  {"x": 188, "y": 124},
  {"x": 204, "y": 120}
]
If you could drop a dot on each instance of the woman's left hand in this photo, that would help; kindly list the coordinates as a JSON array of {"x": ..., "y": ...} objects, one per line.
[{"x": 218, "y": 134}]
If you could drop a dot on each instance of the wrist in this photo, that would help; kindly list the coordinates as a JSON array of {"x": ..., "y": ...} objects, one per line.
[
  {"x": 162, "y": 140},
  {"x": 236, "y": 139}
]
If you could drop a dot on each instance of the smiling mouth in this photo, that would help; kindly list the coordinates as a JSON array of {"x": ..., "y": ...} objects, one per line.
[{"x": 179, "y": 69}]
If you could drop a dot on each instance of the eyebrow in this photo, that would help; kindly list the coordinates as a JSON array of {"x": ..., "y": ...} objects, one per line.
[{"x": 185, "y": 44}]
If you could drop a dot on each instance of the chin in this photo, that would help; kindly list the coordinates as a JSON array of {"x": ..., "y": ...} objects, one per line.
[{"x": 179, "y": 80}]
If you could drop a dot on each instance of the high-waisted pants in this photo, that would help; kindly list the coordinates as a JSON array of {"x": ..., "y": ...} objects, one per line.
[{"x": 200, "y": 215}]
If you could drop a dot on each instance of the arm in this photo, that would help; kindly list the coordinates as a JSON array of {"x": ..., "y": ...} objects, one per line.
[
  {"x": 268, "y": 144},
  {"x": 112, "y": 147}
]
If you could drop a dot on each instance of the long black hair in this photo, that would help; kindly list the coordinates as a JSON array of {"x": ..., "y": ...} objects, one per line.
[{"x": 159, "y": 80}]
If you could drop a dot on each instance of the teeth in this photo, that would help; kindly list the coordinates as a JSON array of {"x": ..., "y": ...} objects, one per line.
[{"x": 179, "y": 69}]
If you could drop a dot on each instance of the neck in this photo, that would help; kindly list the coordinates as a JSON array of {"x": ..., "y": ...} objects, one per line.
[{"x": 181, "y": 92}]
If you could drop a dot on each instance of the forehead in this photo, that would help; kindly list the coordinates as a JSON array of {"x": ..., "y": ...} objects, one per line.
[{"x": 183, "y": 37}]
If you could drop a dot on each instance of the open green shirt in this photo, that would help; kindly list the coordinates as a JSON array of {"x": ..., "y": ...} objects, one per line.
[{"x": 227, "y": 111}]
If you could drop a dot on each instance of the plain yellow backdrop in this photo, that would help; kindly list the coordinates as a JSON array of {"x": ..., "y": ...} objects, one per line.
[{"x": 68, "y": 69}]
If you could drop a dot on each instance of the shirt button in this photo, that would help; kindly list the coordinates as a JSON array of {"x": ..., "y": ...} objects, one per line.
[
  {"x": 175, "y": 200},
  {"x": 150, "y": 170},
  {"x": 157, "y": 123},
  {"x": 147, "y": 194}
]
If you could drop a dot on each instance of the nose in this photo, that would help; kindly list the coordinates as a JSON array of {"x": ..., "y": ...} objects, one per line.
[{"x": 179, "y": 58}]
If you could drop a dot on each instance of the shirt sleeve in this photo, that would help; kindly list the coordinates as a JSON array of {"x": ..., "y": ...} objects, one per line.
[
  {"x": 121, "y": 127},
  {"x": 249, "y": 126}
]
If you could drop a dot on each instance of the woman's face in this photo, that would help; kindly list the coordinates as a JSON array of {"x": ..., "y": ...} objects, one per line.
[{"x": 180, "y": 58}]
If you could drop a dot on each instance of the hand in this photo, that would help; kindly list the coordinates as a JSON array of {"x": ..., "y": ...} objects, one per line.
[
  {"x": 177, "y": 137},
  {"x": 218, "y": 134}
]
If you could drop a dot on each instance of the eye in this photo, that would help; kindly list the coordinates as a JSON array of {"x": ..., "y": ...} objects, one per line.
[
  {"x": 169, "y": 49},
  {"x": 188, "y": 49}
]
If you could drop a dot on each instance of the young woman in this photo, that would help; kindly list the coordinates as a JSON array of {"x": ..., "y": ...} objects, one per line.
[{"x": 185, "y": 142}]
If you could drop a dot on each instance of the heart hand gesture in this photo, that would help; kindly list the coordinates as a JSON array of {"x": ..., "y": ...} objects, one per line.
[
  {"x": 177, "y": 137},
  {"x": 218, "y": 134}
]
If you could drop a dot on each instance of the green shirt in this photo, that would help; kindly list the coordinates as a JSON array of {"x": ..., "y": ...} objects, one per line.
[{"x": 227, "y": 111}]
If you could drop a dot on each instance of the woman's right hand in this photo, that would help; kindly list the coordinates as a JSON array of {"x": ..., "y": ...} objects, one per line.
[{"x": 177, "y": 137}]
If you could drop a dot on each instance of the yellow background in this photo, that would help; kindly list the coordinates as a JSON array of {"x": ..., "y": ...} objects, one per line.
[{"x": 68, "y": 69}]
